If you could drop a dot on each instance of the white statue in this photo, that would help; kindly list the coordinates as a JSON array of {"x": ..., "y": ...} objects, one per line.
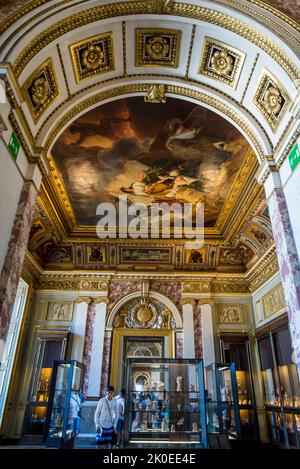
[
  {"x": 179, "y": 383},
  {"x": 194, "y": 428}
]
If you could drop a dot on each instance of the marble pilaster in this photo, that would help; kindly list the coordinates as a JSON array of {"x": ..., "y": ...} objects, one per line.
[
  {"x": 208, "y": 335},
  {"x": 188, "y": 328},
  {"x": 106, "y": 359},
  {"x": 197, "y": 321},
  {"x": 15, "y": 254},
  {"x": 289, "y": 265},
  {"x": 179, "y": 345}
]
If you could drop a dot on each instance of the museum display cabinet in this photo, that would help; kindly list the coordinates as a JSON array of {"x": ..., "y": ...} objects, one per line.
[
  {"x": 50, "y": 346},
  {"x": 235, "y": 348},
  {"x": 280, "y": 385},
  {"x": 222, "y": 399},
  {"x": 165, "y": 403},
  {"x": 65, "y": 390}
]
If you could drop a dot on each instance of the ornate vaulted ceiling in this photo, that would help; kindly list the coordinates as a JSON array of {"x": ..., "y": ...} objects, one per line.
[{"x": 161, "y": 101}]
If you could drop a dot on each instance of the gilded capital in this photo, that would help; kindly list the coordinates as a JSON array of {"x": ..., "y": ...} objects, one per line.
[{"x": 187, "y": 301}]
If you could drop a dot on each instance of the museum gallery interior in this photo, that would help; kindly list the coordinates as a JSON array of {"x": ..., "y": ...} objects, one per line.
[{"x": 152, "y": 103}]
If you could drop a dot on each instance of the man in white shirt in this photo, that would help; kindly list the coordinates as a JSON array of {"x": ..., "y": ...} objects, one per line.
[
  {"x": 106, "y": 417},
  {"x": 121, "y": 416}
]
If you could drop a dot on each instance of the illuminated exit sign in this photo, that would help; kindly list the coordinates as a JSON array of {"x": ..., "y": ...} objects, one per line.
[{"x": 294, "y": 156}]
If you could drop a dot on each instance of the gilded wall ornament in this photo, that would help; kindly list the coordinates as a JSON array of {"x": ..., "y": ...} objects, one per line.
[
  {"x": 156, "y": 94},
  {"x": 221, "y": 62},
  {"x": 157, "y": 47},
  {"x": 41, "y": 89},
  {"x": 274, "y": 302},
  {"x": 60, "y": 311},
  {"x": 92, "y": 56},
  {"x": 272, "y": 100},
  {"x": 230, "y": 313}
]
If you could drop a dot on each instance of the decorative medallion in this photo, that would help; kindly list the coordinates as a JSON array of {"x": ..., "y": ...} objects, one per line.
[
  {"x": 156, "y": 94},
  {"x": 92, "y": 56},
  {"x": 41, "y": 89},
  {"x": 157, "y": 47},
  {"x": 144, "y": 313},
  {"x": 271, "y": 100},
  {"x": 221, "y": 62}
]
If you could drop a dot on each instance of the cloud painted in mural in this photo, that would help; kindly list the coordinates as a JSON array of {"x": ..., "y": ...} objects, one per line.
[{"x": 173, "y": 152}]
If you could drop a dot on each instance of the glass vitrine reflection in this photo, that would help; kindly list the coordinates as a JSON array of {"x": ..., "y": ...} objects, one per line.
[
  {"x": 48, "y": 349},
  {"x": 66, "y": 387},
  {"x": 165, "y": 402},
  {"x": 222, "y": 400}
]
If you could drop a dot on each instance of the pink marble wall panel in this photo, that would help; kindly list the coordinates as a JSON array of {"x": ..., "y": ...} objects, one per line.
[
  {"x": 118, "y": 290},
  {"x": 198, "y": 331},
  {"x": 15, "y": 254},
  {"x": 288, "y": 263},
  {"x": 88, "y": 344}
]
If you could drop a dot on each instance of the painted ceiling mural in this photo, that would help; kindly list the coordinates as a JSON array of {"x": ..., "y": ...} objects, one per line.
[{"x": 172, "y": 152}]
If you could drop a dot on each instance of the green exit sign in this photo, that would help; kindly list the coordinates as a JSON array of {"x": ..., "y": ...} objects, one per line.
[
  {"x": 294, "y": 156},
  {"x": 14, "y": 145}
]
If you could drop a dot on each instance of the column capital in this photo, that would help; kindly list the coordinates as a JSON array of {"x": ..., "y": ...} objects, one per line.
[
  {"x": 187, "y": 301},
  {"x": 92, "y": 300},
  {"x": 205, "y": 301}
]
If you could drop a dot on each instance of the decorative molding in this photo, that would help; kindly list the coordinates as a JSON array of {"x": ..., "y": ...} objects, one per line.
[
  {"x": 157, "y": 47},
  {"x": 265, "y": 272},
  {"x": 163, "y": 7},
  {"x": 196, "y": 287},
  {"x": 221, "y": 62},
  {"x": 41, "y": 89},
  {"x": 156, "y": 94},
  {"x": 92, "y": 56},
  {"x": 229, "y": 287},
  {"x": 72, "y": 283},
  {"x": 101, "y": 12},
  {"x": 271, "y": 99}
]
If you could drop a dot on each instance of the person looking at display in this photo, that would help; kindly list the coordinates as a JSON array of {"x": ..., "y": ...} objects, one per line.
[
  {"x": 76, "y": 400},
  {"x": 121, "y": 417},
  {"x": 105, "y": 418}
]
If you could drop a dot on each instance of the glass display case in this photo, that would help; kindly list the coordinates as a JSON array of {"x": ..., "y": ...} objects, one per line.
[
  {"x": 49, "y": 347},
  {"x": 64, "y": 398},
  {"x": 222, "y": 400},
  {"x": 281, "y": 387},
  {"x": 235, "y": 349},
  {"x": 165, "y": 403}
]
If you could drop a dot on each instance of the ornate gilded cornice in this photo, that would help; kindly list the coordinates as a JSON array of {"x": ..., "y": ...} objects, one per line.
[
  {"x": 74, "y": 282},
  {"x": 146, "y": 7},
  {"x": 144, "y": 88},
  {"x": 263, "y": 271}
]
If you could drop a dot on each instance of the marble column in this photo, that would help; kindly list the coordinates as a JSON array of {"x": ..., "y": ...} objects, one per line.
[
  {"x": 188, "y": 328},
  {"x": 97, "y": 350},
  {"x": 289, "y": 265},
  {"x": 208, "y": 336},
  {"x": 106, "y": 360},
  {"x": 197, "y": 322},
  {"x": 15, "y": 255},
  {"x": 88, "y": 338}
]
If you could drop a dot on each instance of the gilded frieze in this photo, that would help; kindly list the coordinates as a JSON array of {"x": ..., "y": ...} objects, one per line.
[
  {"x": 156, "y": 94},
  {"x": 41, "y": 89},
  {"x": 271, "y": 99},
  {"x": 157, "y": 47},
  {"x": 221, "y": 62},
  {"x": 92, "y": 56}
]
